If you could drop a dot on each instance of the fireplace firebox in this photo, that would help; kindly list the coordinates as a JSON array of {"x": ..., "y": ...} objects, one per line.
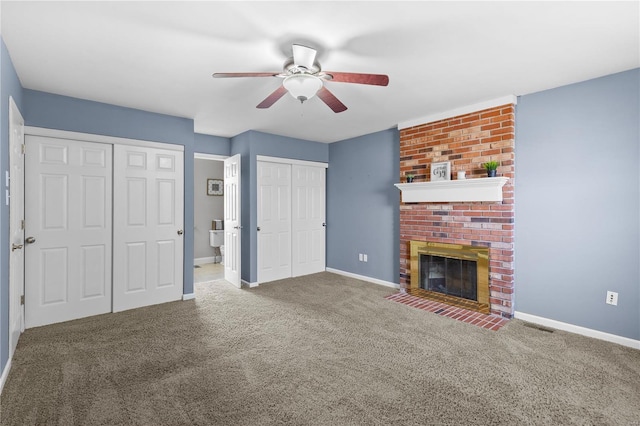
[{"x": 451, "y": 273}]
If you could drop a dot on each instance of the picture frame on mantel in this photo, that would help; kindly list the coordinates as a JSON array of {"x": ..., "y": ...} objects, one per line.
[
  {"x": 215, "y": 187},
  {"x": 440, "y": 171}
]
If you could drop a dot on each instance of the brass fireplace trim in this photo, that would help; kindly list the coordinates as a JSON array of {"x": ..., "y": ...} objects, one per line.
[{"x": 480, "y": 255}]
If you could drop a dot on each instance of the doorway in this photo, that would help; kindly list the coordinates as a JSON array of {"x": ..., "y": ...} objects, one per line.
[{"x": 208, "y": 218}]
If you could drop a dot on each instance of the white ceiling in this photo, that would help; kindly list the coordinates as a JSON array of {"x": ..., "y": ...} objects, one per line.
[{"x": 159, "y": 56}]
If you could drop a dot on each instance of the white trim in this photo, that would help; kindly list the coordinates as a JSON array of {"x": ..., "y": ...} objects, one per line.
[
  {"x": 90, "y": 137},
  {"x": 188, "y": 296},
  {"x": 248, "y": 284},
  {"x": 203, "y": 260},
  {"x": 202, "y": 156},
  {"x": 363, "y": 278},
  {"x": 509, "y": 99},
  {"x": 5, "y": 374},
  {"x": 625, "y": 341},
  {"x": 480, "y": 189},
  {"x": 291, "y": 161}
]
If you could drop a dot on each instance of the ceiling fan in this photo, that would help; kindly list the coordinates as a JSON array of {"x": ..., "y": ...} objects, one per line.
[{"x": 303, "y": 79}]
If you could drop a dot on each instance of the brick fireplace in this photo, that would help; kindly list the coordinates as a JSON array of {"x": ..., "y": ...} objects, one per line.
[{"x": 467, "y": 141}]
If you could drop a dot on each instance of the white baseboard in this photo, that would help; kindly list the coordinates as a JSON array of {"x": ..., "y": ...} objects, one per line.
[
  {"x": 363, "y": 278},
  {"x": 5, "y": 374},
  {"x": 188, "y": 296},
  {"x": 625, "y": 341},
  {"x": 248, "y": 284},
  {"x": 203, "y": 260}
]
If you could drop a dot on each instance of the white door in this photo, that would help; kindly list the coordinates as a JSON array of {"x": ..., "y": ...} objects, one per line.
[
  {"x": 232, "y": 226},
  {"x": 148, "y": 215},
  {"x": 274, "y": 221},
  {"x": 16, "y": 225},
  {"x": 308, "y": 220},
  {"x": 68, "y": 216}
]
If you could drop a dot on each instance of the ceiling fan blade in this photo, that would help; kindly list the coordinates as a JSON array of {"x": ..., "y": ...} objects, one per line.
[
  {"x": 303, "y": 56},
  {"x": 350, "y": 77},
  {"x": 331, "y": 100},
  {"x": 245, "y": 74},
  {"x": 272, "y": 98}
]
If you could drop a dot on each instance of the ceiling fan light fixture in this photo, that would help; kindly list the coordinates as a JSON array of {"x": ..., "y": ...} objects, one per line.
[{"x": 302, "y": 86}]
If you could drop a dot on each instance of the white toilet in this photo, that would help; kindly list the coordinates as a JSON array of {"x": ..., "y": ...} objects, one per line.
[{"x": 216, "y": 239}]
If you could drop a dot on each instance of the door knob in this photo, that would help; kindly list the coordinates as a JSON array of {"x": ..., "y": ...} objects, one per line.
[
  {"x": 237, "y": 227},
  {"x": 180, "y": 232},
  {"x": 324, "y": 224},
  {"x": 30, "y": 240},
  {"x": 258, "y": 228},
  {"x": 15, "y": 247}
]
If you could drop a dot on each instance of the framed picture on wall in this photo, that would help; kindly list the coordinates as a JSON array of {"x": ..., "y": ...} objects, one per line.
[
  {"x": 215, "y": 187},
  {"x": 441, "y": 171}
]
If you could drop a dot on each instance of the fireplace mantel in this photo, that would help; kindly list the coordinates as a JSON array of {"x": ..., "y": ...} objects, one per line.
[{"x": 464, "y": 190}]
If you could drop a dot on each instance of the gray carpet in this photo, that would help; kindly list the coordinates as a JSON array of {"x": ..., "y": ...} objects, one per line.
[{"x": 322, "y": 349}]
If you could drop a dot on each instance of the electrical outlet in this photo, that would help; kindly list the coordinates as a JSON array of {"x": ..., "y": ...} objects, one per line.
[
  {"x": 365, "y": 257},
  {"x": 360, "y": 257},
  {"x": 612, "y": 298}
]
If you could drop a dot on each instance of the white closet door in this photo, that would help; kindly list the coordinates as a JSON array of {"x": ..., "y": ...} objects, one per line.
[
  {"x": 308, "y": 220},
  {"x": 68, "y": 215},
  {"x": 232, "y": 215},
  {"x": 274, "y": 221},
  {"x": 148, "y": 226}
]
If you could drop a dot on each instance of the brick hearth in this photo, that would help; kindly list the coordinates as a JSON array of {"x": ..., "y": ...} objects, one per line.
[{"x": 467, "y": 141}]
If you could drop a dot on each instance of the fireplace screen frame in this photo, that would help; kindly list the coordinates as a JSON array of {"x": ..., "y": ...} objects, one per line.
[{"x": 480, "y": 255}]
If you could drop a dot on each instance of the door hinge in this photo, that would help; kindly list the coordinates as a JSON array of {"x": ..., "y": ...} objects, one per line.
[
  {"x": 22, "y": 224},
  {"x": 22, "y": 299},
  {"x": 24, "y": 149}
]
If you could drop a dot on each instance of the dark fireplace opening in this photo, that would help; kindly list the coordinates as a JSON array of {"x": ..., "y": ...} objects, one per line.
[{"x": 453, "y": 277}]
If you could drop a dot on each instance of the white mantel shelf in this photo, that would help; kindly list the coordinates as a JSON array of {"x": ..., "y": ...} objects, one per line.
[{"x": 479, "y": 189}]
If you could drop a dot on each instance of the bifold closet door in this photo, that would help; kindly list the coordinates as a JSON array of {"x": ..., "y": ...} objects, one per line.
[
  {"x": 274, "y": 221},
  {"x": 308, "y": 219},
  {"x": 68, "y": 220},
  {"x": 148, "y": 214}
]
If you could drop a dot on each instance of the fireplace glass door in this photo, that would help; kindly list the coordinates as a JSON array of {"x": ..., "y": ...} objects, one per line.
[{"x": 450, "y": 276}]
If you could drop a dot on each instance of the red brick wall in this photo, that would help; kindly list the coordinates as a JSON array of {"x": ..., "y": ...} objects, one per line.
[{"x": 467, "y": 141}]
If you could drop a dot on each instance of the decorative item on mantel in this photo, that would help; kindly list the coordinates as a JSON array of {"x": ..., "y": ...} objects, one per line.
[
  {"x": 409, "y": 177},
  {"x": 490, "y": 167},
  {"x": 441, "y": 171}
]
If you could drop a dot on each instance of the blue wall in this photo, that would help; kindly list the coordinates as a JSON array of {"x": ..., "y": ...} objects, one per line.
[
  {"x": 207, "y": 144},
  {"x": 363, "y": 206},
  {"x": 9, "y": 86},
  {"x": 251, "y": 144},
  {"x": 577, "y": 204},
  {"x": 78, "y": 115}
]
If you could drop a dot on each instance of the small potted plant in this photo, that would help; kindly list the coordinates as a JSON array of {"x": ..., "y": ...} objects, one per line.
[
  {"x": 490, "y": 167},
  {"x": 409, "y": 177}
]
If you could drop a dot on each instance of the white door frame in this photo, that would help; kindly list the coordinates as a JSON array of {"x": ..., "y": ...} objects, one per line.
[
  {"x": 16, "y": 225},
  {"x": 90, "y": 137}
]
